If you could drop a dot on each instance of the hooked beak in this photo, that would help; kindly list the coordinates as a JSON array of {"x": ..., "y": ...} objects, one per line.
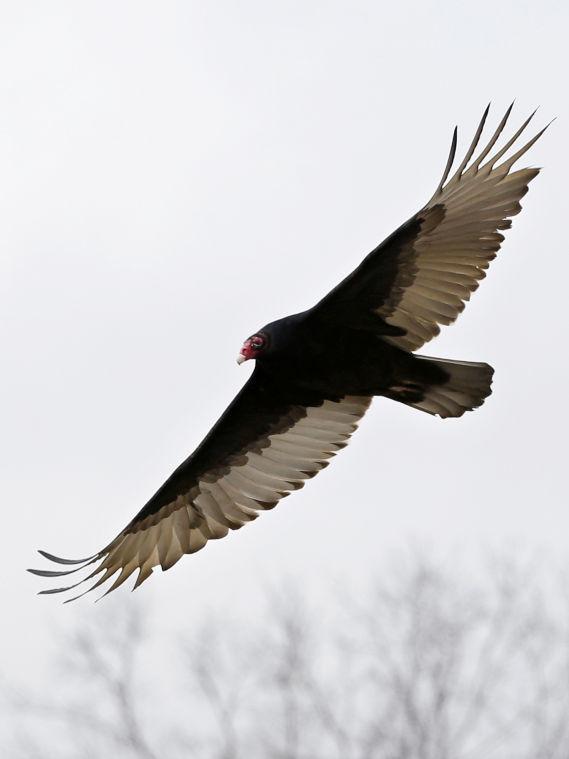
[{"x": 241, "y": 358}]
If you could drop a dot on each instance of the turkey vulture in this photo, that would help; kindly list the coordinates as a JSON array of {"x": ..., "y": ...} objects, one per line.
[{"x": 316, "y": 372}]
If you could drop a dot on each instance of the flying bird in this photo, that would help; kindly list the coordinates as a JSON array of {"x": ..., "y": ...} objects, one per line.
[{"x": 316, "y": 372}]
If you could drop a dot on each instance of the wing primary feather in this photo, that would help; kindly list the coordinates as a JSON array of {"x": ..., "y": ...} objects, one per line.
[
  {"x": 473, "y": 144},
  {"x": 59, "y": 560},
  {"x": 507, "y": 165},
  {"x": 476, "y": 163},
  {"x": 75, "y": 598},
  {"x": 488, "y": 166},
  {"x": 107, "y": 574},
  {"x": 143, "y": 574},
  {"x": 55, "y": 573},
  {"x": 450, "y": 161},
  {"x": 125, "y": 573},
  {"x": 51, "y": 591}
]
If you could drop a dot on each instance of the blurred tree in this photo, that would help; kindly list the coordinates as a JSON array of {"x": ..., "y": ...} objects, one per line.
[{"x": 424, "y": 665}]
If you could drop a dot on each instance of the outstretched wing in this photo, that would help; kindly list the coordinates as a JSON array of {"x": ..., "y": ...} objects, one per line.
[
  {"x": 267, "y": 444},
  {"x": 421, "y": 276}
]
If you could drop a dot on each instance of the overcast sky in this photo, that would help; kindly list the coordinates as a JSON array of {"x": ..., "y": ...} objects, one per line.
[{"x": 173, "y": 175}]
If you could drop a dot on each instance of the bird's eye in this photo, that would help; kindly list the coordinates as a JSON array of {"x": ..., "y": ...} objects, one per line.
[{"x": 257, "y": 346}]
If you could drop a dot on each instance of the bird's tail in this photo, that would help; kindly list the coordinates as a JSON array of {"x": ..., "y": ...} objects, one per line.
[{"x": 443, "y": 387}]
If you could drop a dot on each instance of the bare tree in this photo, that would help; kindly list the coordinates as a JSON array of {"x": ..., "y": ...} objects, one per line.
[
  {"x": 94, "y": 693},
  {"x": 426, "y": 663}
]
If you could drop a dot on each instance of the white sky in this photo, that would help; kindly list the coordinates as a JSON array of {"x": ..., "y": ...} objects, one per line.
[{"x": 173, "y": 175}]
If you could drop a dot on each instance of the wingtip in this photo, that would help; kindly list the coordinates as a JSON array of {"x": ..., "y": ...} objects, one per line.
[
  {"x": 60, "y": 560},
  {"x": 549, "y": 124},
  {"x": 44, "y": 572}
]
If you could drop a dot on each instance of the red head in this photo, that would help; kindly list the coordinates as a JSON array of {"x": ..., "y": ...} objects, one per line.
[{"x": 253, "y": 347}]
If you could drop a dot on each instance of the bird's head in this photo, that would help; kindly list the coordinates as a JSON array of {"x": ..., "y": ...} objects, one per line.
[{"x": 253, "y": 347}]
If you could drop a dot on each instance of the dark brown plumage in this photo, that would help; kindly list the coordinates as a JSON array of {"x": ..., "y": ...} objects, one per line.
[{"x": 316, "y": 372}]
